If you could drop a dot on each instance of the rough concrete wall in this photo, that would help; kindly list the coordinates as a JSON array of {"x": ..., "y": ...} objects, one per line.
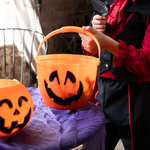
[
  {"x": 17, "y": 66},
  {"x": 58, "y": 13}
]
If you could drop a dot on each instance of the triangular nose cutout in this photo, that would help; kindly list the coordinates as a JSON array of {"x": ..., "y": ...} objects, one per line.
[{"x": 16, "y": 112}]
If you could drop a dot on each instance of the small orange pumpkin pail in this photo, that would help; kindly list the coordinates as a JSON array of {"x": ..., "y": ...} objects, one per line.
[
  {"x": 16, "y": 107},
  {"x": 66, "y": 81}
]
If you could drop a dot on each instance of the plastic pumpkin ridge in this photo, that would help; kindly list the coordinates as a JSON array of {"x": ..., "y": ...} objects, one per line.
[
  {"x": 16, "y": 107},
  {"x": 66, "y": 81}
]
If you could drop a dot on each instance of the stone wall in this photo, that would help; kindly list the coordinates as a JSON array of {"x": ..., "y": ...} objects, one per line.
[{"x": 17, "y": 65}]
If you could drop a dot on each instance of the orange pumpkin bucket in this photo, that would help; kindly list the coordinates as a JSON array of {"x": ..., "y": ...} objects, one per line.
[
  {"x": 16, "y": 107},
  {"x": 66, "y": 81}
]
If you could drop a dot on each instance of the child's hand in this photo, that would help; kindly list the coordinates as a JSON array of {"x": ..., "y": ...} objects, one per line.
[
  {"x": 88, "y": 43},
  {"x": 105, "y": 41},
  {"x": 99, "y": 23}
]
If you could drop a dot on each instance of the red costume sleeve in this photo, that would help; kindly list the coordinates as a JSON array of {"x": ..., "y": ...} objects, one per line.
[{"x": 135, "y": 60}]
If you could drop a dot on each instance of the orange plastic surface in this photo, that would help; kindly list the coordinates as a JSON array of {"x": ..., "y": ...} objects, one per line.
[
  {"x": 66, "y": 78},
  {"x": 16, "y": 107}
]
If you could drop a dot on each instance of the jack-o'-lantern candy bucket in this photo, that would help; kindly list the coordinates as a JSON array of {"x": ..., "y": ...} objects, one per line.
[
  {"x": 66, "y": 81},
  {"x": 16, "y": 107}
]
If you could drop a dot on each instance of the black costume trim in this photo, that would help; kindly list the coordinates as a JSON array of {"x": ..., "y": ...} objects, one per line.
[
  {"x": 139, "y": 6},
  {"x": 132, "y": 34}
]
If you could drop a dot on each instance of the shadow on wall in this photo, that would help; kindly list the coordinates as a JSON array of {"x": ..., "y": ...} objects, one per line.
[{"x": 56, "y": 14}]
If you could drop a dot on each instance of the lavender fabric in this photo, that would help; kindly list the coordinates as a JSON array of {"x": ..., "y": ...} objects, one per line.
[{"x": 53, "y": 129}]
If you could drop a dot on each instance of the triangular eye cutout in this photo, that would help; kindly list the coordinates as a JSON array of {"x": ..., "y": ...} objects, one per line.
[
  {"x": 71, "y": 77},
  {"x": 53, "y": 75},
  {"x": 16, "y": 112}
]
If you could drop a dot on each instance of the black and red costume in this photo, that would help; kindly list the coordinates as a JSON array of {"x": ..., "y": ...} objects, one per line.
[{"x": 124, "y": 81}]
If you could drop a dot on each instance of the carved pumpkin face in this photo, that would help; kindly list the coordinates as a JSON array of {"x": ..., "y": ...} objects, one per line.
[
  {"x": 66, "y": 96},
  {"x": 16, "y": 107},
  {"x": 66, "y": 81}
]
